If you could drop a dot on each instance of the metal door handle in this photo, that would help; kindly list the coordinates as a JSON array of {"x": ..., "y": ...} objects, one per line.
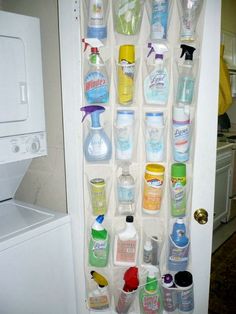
[{"x": 201, "y": 216}]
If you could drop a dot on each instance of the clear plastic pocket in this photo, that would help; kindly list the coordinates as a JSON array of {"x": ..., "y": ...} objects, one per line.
[
  {"x": 124, "y": 301},
  {"x": 127, "y": 19}
]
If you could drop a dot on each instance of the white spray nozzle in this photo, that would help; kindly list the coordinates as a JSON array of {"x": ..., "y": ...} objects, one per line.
[
  {"x": 157, "y": 48},
  {"x": 92, "y": 42},
  {"x": 153, "y": 271}
]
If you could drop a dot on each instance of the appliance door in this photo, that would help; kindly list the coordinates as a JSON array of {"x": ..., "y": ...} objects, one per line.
[
  {"x": 232, "y": 199},
  {"x": 222, "y": 187},
  {"x": 21, "y": 85}
]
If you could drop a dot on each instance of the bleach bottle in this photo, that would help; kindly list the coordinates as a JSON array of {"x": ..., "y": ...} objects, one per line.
[
  {"x": 96, "y": 83},
  {"x": 98, "y": 244},
  {"x": 178, "y": 247},
  {"x": 97, "y": 145}
]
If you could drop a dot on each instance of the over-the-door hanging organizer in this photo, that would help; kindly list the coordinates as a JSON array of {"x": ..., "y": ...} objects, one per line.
[{"x": 140, "y": 74}]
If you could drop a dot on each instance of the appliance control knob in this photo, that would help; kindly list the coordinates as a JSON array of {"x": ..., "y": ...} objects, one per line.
[
  {"x": 15, "y": 148},
  {"x": 33, "y": 145}
]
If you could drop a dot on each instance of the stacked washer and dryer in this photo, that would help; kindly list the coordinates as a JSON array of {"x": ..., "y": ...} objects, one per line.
[{"x": 36, "y": 260}]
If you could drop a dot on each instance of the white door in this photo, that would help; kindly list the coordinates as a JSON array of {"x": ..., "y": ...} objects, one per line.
[{"x": 203, "y": 148}]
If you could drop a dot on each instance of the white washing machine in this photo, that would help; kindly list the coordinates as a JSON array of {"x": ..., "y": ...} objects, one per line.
[{"x": 36, "y": 259}]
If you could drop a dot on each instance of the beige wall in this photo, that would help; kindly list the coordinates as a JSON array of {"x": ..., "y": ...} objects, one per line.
[
  {"x": 228, "y": 19},
  {"x": 44, "y": 183}
]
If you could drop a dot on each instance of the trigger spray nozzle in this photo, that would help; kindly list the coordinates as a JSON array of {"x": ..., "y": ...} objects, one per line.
[
  {"x": 159, "y": 50},
  {"x": 92, "y": 42},
  {"x": 187, "y": 51},
  {"x": 95, "y": 112}
]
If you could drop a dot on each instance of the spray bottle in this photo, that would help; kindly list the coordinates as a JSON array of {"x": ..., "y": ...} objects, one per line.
[
  {"x": 186, "y": 79},
  {"x": 97, "y": 145},
  {"x": 156, "y": 84},
  {"x": 99, "y": 299},
  {"x": 96, "y": 83},
  {"x": 97, "y": 27},
  {"x": 150, "y": 295}
]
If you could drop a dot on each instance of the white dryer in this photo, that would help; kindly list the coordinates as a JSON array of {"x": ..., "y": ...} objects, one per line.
[{"x": 36, "y": 258}]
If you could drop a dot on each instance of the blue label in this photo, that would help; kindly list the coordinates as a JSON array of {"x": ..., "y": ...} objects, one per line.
[
  {"x": 185, "y": 90},
  {"x": 178, "y": 256},
  {"x": 97, "y": 32},
  {"x": 185, "y": 299},
  {"x": 126, "y": 193},
  {"x": 96, "y": 87},
  {"x": 159, "y": 19}
]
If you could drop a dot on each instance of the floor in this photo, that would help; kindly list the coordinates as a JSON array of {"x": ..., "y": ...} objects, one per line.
[{"x": 222, "y": 233}]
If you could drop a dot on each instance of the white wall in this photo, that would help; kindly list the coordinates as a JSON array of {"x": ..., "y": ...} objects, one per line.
[{"x": 44, "y": 183}]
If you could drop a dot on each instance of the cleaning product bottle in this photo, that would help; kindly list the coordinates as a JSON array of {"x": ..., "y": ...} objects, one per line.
[
  {"x": 185, "y": 296},
  {"x": 99, "y": 299},
  {"x": 186, "y": 81},
  {"x": 159, "y": 19},
  {"x": 154, "y": 136},
  {"x": 126, "y": 245},
  {"x": 181, "y": 133},
  {"x": 124, "y": 134},
  {"x": 156, "y": 84},
  {"x": 99, "y": 244},
  {"x": 178, "y": 247},
  {"x": 150, "y": 295},
  {"x": 178, "y": 189},
  {"x": 126, "y": 70},
  {"x": 98, "y": 196},
  {"x": 128, "y": 16},
  {"x": 129, "y": 290},
  {"x": 97, "y": 21},
  {"x": 97, "y": 145},
  {"x": 169, "y": 293},
  {"x": 147, "y": 252},
  {"x": 189, "y": 12},
  {"x": 126, "y": 191},
  {"x": 96, "y": 83}
]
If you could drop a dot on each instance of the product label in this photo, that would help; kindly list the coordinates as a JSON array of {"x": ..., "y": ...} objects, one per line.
[
  {"x": 126, "y": 193},
  {"x": 97, "y": 147},
  {"x": 125, "y": 301},
  {"x": 178, "y": 197},
  {"x": 156, "y": 87},
  {"x": 99, "y": 302},
  {"x": 96, "y": 87},
  {"x": 169, "y": 299},
  {"x": 99, "y": 248},
  {"x": 159, "y": 19},
  {"x": 154, "y": 143},
  {"x": 98, "y": 196},
  {"x": 181, "y": 142},
  {"x": 178, "y": 256},
  {"x": 124, "y": 143},
  {"x": 125, "y": 82},
  {"x": 96, "y": 13},
  {"x": 126, "y": 251},
  {"x": 152, "y": 194},
  {"x": 151, "y": 304},
  {"x": 185, "y": 90},
  {"x": 185, "y": 299}
]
